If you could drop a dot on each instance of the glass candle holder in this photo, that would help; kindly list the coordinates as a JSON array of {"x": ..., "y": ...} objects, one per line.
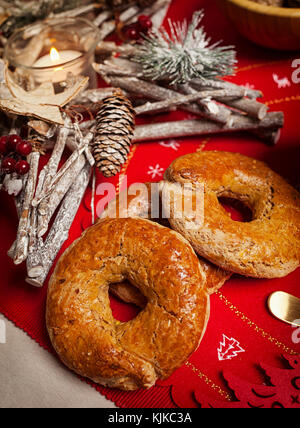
[{"x": 56, "y": 50}]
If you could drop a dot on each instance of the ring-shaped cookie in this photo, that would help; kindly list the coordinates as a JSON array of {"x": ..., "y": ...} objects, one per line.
[
  {"x": 266, "y": 247},
  {"x": 137, "y": 203},
  {"x": 132, "y": 355}
]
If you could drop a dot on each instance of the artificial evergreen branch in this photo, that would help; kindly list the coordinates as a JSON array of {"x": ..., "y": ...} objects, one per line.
[{"x": 185, "y": 54}]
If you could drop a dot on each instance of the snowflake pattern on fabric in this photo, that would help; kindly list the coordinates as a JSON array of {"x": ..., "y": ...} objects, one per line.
[
  {"x": 155, "y": 171},
  {"x": 172, "y": 144},
  {"x": 282, "y": 83}
]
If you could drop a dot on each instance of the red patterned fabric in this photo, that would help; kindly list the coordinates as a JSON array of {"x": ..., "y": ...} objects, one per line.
[{"x": 239, "y": 315}]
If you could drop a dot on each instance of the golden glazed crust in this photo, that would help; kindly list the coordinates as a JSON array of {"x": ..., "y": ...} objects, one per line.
[
  {"x": 268, "y": 246},
  {"x": 138, "y": 203},
  {"x": 132, "y": 355}
]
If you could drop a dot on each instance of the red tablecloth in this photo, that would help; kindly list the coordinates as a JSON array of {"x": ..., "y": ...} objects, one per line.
[{"x": 239, "y": 315}]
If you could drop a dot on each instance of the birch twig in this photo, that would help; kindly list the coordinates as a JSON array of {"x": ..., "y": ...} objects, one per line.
[
  {"x": 61, "y": 183},
  {"x": 158, "y": 93},
  {"x": 186, "y": 128},
  {"x": 53, "y": 164},
  {"x": 251, "y": 107},
  {"x": 93, "y": 96},
  {"x": 109, "y": 26},
  {"x": 21, "y": 249},
  {"x": 243, "y": 104},
  {"x": 111, "y": 48},
  {"x": 60, "y": 230},
  {"x": 157, "y": 11},
  {"x": 159, "y": 15},
  {"x": 102, "y": 17},
  {"x": 72, "y": 13},
  {"x": 210, "y": 108},
  {"x": 34, "y": 260},
  {"x": 223, "y": 84},
  {"x": 54, "y": 199},
  {"x": 180, "y": 100},
  {"x": 19, "y": 201}
]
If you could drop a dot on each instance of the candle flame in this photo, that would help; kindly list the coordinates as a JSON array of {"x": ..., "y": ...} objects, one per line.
[{"x": 54, "y": 55}]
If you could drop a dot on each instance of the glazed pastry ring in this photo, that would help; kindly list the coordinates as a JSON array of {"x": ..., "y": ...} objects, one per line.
[
  {"x": 266, "y": 247},
  {"x": 166, "y": 270}
]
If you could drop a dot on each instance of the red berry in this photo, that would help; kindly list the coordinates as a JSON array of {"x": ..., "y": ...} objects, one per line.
[
  {"x": 8, "y": 165},
  {"x": 3, "y": 146},
  {"x": 133, "y": 32},
  {"x": 22, "y": 167},
  {"x": 24, "y": 148},
  {"x": 145, "y": 23},
  {"x": 13, "y": 141}
]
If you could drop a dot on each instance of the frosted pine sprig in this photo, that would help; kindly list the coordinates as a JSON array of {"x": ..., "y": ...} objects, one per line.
[{"x": 184, "y": 54}]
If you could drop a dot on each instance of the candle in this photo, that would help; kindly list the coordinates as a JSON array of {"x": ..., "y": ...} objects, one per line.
[{"x": 56, "y": 60}]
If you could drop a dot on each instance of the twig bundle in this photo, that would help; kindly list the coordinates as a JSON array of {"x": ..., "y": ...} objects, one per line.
[
  {"x": 221, "y": 106},
  {"x": 42, "y": 194},
  {"x": 183, "y": 70},
  {"x": 60, "y": 189}
]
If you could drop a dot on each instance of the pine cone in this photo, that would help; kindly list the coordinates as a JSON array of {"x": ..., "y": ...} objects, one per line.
[{"x": 114, "y": 133}]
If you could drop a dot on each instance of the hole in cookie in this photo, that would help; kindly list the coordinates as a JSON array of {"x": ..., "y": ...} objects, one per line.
[
  {"x": 237, "y": 209},
  {"x": 126, "y": 301}
]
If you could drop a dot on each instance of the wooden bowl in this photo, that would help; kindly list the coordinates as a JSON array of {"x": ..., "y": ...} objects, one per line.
[{"x": 272, "y": 27}]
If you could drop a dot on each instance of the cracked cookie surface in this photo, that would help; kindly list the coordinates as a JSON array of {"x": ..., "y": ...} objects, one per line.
[
  {"x": 266, "y": 247},
  {"x": 147, "y": 203},
  {"x": 163, "y": 267}
]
